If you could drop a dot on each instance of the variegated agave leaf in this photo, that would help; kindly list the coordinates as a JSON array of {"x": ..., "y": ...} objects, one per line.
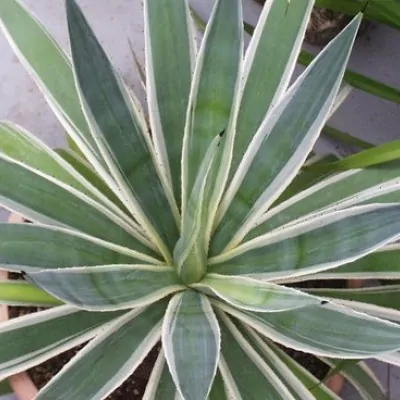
[{"x": 189, "y": 235}]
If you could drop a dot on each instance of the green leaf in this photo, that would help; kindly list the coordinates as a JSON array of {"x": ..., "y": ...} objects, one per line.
[
  {"x": 320, "y": 243},
  {"x": 361, "y": 377},
  {"x": 345, "y": 138},
  {"x": 32, "y": 339},
  {"x": 191, "y": 341},
  {"x": 109, "y": 359},
  {"x": 267, "y": 77},
  {"x": 303, "y": 180},
  {"x": 327, "y": 330},
  {"x": 41, "y": 198},
  {"x": 382, "y": 264},
  {"x": 254, "y": 295},
  {"x": 29, "y": 247},
  {"x": 298, "y": 387},
  {"x": 161, "y": 385},
  {"x": 109, "y": 287},
  {"x": 283, "y": 142},
  {"x": 48, "y": 65},
  {"x": 20, "y": 293},
  {"x": 218, "y": 390},
  {"x": 382, "y": 296},
  {"x": 21, "y": 145},
  {"x": 213, "y": 88},
  {"x": 317, "y": 388},
  {"x": 355, "y": 79},
  {"x": 190, "y": 251},
  {"x": 169, "y": 68},
  {"x": 360, "y": 81},
  {"x": 86, "y": 170},
  {"x": 336, "y": 192},
  {"x": 251, "y": 376},
  {"x": 370, "y": 157},
  {"x": 125, "y": 145}
]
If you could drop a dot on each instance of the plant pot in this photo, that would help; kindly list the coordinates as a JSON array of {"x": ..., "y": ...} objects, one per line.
[{"x": 25, "y": 389}]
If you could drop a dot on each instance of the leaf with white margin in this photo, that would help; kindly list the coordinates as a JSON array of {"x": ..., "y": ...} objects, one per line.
[
  {"x": 191, "y": 341},
  {"x": 254, "y": 295},
  {"x": 108, "y": 287}
]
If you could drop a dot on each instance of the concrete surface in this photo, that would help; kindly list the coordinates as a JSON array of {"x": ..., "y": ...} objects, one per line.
[{"x": 376, "y": 55}]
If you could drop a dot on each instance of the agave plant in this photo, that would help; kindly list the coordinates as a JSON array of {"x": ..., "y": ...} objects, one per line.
[{"x": 189, "y": 230}]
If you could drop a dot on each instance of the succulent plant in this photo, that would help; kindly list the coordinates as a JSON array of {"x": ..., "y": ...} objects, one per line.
[{"x": 193, "y": 234}]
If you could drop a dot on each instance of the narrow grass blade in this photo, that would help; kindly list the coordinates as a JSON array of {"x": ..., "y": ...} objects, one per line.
[
  {"x": 375, "y": 156},
  {"x": 109, "y": 359},
  {"x": 191, "y": 341},
  {"x": 108, "y": 287},
  {"x": 20, "y": 293},
  {"x": 32, "y": 339},
  {"x": 345, "y": 138}
]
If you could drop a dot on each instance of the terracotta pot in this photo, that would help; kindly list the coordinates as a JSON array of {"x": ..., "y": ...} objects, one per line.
[
  {"x": 25, "y": 389},
  {"x": 21, "y": 383}
]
